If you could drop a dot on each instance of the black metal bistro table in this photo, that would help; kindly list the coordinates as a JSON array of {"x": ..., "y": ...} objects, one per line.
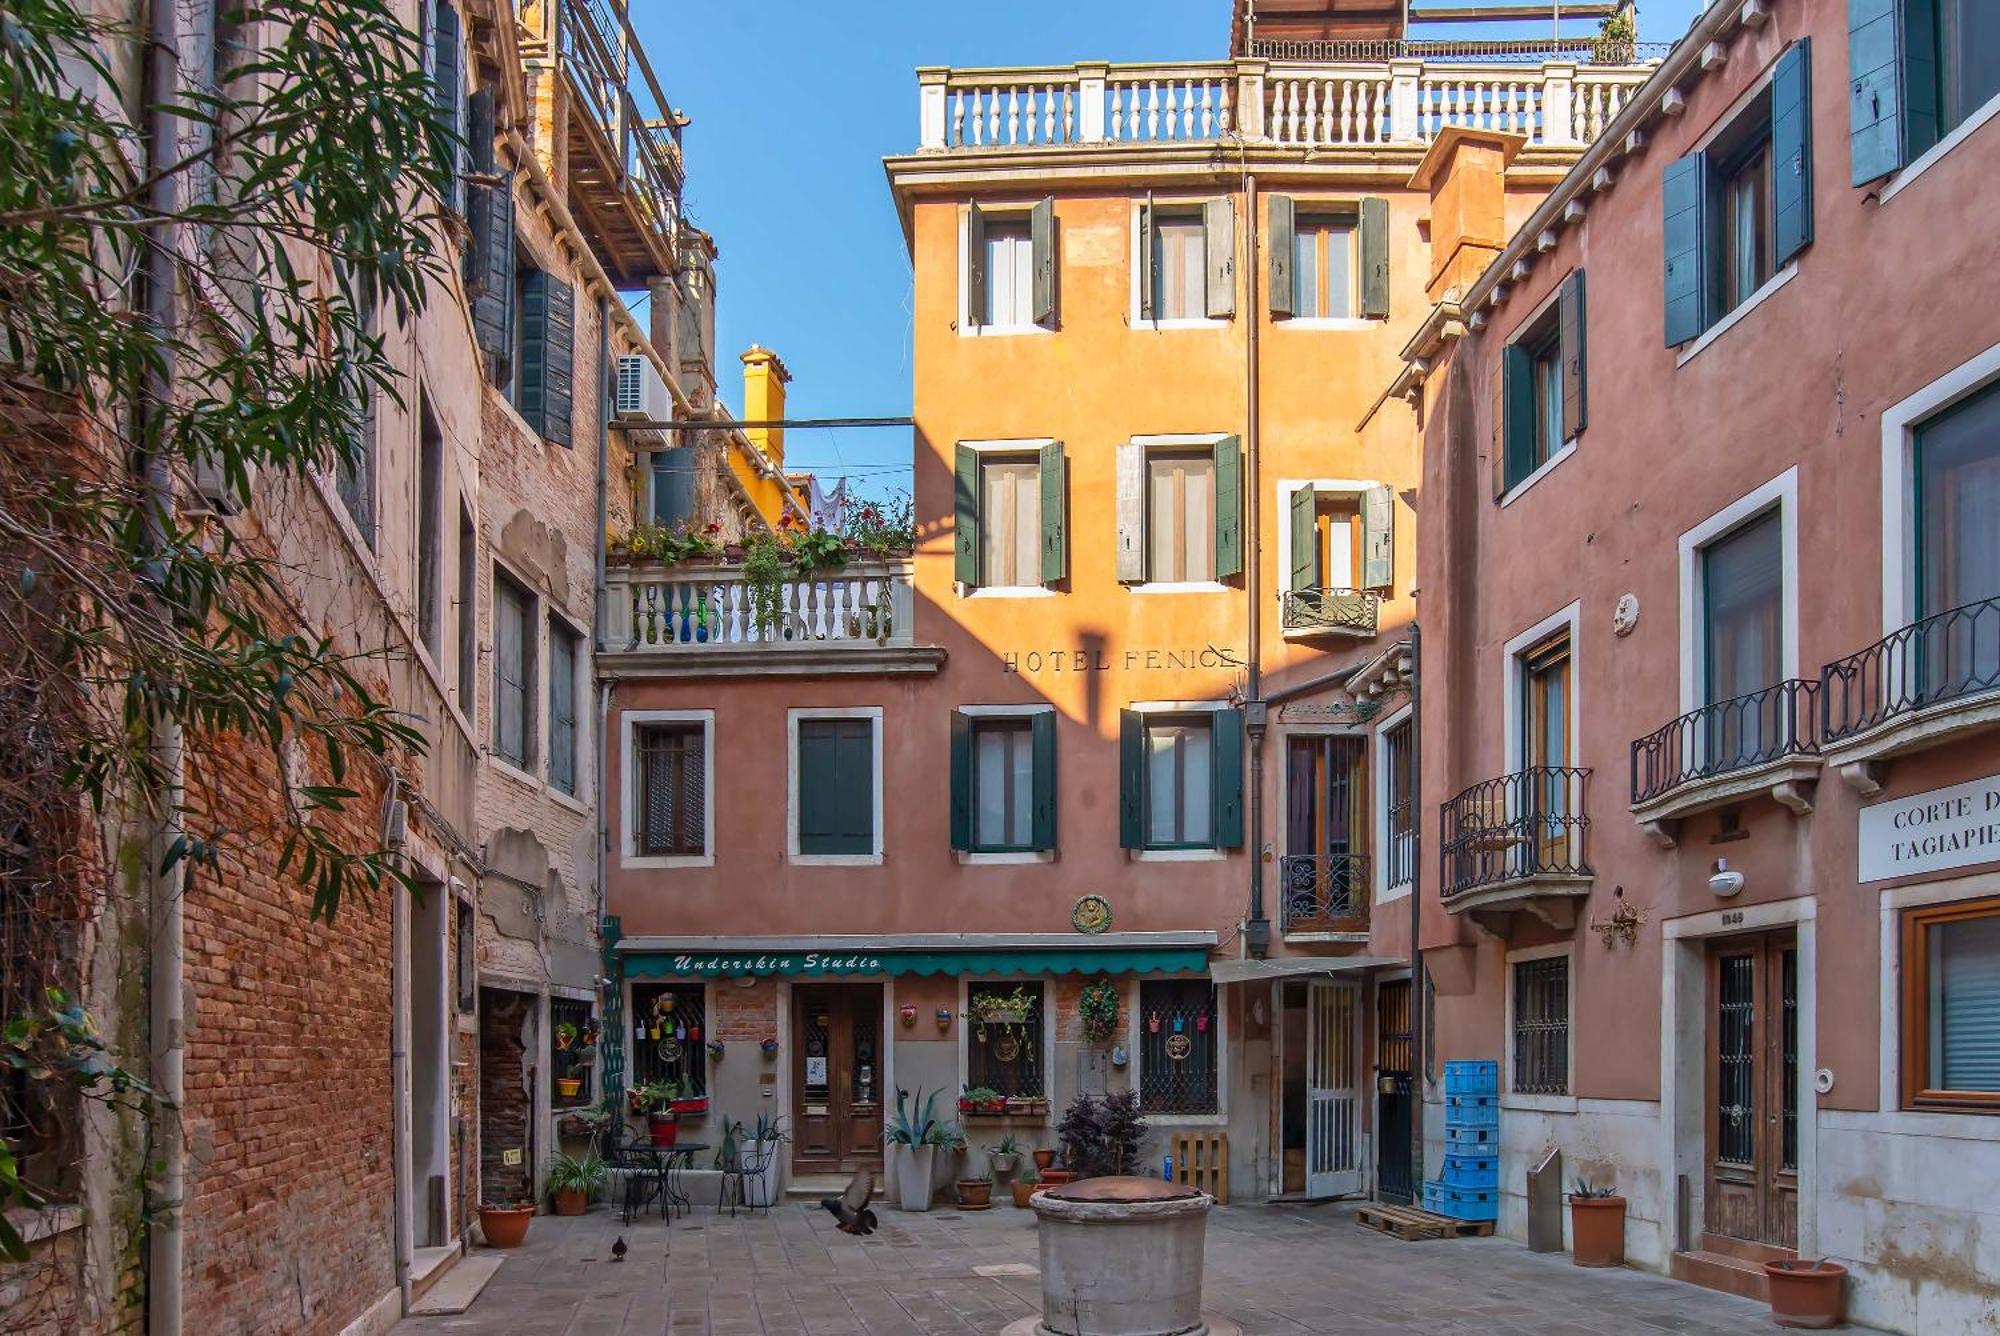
[{"x": 678, "y": 1157}]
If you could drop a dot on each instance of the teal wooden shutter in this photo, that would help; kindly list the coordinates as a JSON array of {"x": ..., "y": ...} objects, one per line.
[
  {"x": 1226, "y": 787},
  {"x": 836, "y": 786},
  {"x": 1148, "y": 264},
  {"x": 1131, "y": 779},
  {"x": 1378, "y": 537},
  {"x": 1791, "y": 151},
  {"x": 1042, "y": 827},
  {"x": 1055, "y": 545},
  {"x": 548, "y": 353},
  {"x": 1875, "y": 88},
  {"x": 975, "y": 266},
  {"x": 1305, "y": 539},
  {"x": 1131, "y": 561},
  {"x": 1281, "y": 238},
  {"x": 1218, "y": 223},
  {"x": 1921, "y": 86},
  {"x": 1519, "y": 369},
  {"x": 961, "y": 780},
  {"x": 1571, "y": 340},
  {"x": 489, "y": 276},
  {"x": 447, "y": 88},
  {"x": 479, "y": 131},
  {"x": 1228, "y": 507},
  {"x": 965, "y": 516},
  {"x": 1684, "y": 197},
  {"x": 1375, "y": 258},
  {"x": 1042, "y": 243}
]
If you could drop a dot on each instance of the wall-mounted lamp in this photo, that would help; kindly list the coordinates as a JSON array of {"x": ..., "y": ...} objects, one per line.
[{"x": 1726, "y": 882}]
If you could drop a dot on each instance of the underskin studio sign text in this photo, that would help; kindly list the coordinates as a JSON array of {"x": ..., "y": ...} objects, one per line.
[{"x": 1098, "y": 660}]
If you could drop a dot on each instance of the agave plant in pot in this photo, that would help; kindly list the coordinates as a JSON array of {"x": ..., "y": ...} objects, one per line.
[
  {"x": 573, "y": 1180},
  {"x": 912, "y": 1145},
  {"x": 1596, "y": 1225},
  {"x": 1005, "y": 1157}
]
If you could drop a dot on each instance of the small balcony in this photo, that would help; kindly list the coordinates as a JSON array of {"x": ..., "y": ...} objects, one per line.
[
  {"x": 1933, "y": 681},
  {"x": 1311, "y": 612},
  {"x": 1518, "y": 843},
  {"x": 1763, "y": 743},
  {"x": 1324, "y": 897},
  {"x": 710, "y": 620}
]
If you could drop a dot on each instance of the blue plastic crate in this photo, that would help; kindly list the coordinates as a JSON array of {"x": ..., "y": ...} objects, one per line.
[
  {"x": 1461, "y": 1203},
  {"x": 1472, "y": 1140},
  {"x": 1472, "y": 1078},
  {"x": 1471, "y": 1171},
  {"x": 1471, "y": 1111}
]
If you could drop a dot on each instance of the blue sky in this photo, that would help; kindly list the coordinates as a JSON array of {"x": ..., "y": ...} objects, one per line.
[{"x": 794, "y": 104}]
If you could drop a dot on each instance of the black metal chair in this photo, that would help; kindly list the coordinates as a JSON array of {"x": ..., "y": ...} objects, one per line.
[
  {"x": 633, "y": 1166},
  {"x": 747, "y": 1182}
]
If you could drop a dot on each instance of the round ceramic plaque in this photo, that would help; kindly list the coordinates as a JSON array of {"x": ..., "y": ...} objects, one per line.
[
  {"x": 1179, "y": 1046},
  {"x": 1092, "y": 914}
]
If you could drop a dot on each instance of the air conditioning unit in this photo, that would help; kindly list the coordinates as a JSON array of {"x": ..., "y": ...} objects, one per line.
[{"x": 643, "y": 396}]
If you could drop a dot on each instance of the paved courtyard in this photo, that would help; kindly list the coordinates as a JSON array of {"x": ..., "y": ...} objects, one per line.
[{"x": 1274, "y": 1269}]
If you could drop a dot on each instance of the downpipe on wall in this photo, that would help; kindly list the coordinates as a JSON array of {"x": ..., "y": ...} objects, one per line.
[
  {"x": 1257, "y": 930},
  {"x": 395, "y": 838}
]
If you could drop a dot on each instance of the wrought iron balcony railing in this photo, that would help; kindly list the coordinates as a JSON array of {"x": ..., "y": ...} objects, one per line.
[
  {"x": 1729, "y": 735},
  {"x": 1324, "y": 893},
  {"x": 1330, "y": 610},
  {"x": 1532, "y": 823},
  {"x": 1951, "y": 656}
]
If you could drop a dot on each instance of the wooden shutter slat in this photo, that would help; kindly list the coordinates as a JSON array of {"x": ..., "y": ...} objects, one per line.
[
  {"x": 447, "y": 84},
  {"x": 1378, "y": 537},
  {"x": 855, "y": 787},
  {"x": 965, "y": 516},
  {"x": 1875, "y": 88},
  {"x": 1131, "y": 513},
  {"x": 1519, "y": 413},
  {"x": 1228, "y": 507},
  {"x": 1131, "y": 779},
  {"x": 961, "y": 780},
  {"x": 490, "y": 273},
  {"x": 1497, "y": 452},
  {"x": 1791, "y": 151},
  {"x": 1374, "y": 258},
  {"x": 479, "y": 131},
  {"x": 559, "y": 363},
  {"x": 975, "y": 266},
  {"x": 1042, "y": 245},
  {"x": 1283, "y": 235},
  {"x": 1226, "y": 783},
  {"x": 1683, "y": 193},
  {"x": 1571, "y": 338},
  {"x": 1054, "y": 481},
  {"x": 1218, "y": 220},
  {"x": 1042, "y": 740},
  {"x": 1305, "y": 539},
  {"x": 1148, "y": 259}
]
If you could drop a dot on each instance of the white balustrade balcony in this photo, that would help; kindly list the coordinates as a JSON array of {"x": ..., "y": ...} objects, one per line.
[{"x": 1309, "y": 104}]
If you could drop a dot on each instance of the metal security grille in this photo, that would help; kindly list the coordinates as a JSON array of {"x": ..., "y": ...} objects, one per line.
[
  {"x": 1736, "y": 1069},
  {"x": 567, "y": 1062},
  {"x": 1004, "y": 1055},
  {"x": 1398, "y": 746},
  {"x": 668, "y": 1035},
  {"x": 1541, "y": 1026},
  {"x": 1177, "y": 1046},
  {"x": 1392, "y": 1026},
  {"x": 672, "y": 803},
  {"x": 1789, "y": 1101}
]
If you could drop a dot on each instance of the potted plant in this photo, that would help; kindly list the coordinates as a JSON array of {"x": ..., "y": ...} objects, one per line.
[
  {"x": 1596, "y": 1225},
  {"x": 505, "y": 1224},
  {"x": 1045, "y": 1157},
  {"x": 912, "y": 1149},
  {"x": 1005, "y": 1157},
  {"x": 982, "y": 1099},
  {"x": 1003, "y": 1009},
  {"x": 656, "y": 1100},
  {"x": 1101, "y": 1136},
  {"x": 949, "y": 1141},
  {"x": 1807, "y": 1293},
  {"x": 976, "y": 1193},
  {"x": 1097, "y": 1008},
  {"x": 573, "y": 1181},
  {"x": 1024, "y": 1186}
]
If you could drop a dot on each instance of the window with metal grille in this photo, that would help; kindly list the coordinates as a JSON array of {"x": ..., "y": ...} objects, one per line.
[
  {"x": 672, "y": 790},
  {"x": 1398, "y": 746},
  {"x": 1541, "y": 1026},
  {"x": 1177, "y": 1046},
  {"x": 669, "y": 1037},
  {"x": 569, "y": 1026},
  {"x": 1003, "y": 1039}
]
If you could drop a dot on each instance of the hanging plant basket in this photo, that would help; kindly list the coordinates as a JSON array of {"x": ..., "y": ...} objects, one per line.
[{"x": 1098, "y": 1009}]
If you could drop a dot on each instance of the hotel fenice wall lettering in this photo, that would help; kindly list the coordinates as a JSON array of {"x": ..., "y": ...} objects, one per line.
[
  {"x": 1931, "y": 832},
  {"x": 1098, "y": 659}
]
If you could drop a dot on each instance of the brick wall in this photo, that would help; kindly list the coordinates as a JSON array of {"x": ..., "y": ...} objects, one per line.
[{"x": 504, "y": 1098}]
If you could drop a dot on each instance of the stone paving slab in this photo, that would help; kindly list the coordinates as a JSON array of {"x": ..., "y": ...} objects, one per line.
[{"x": 1277, "y": 1270}]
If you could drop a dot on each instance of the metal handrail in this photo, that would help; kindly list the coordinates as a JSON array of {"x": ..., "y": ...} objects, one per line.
[
  {"x": 604, "y": 52},
  {"x": 1324, "y": 892},
  {"x": 1532, "y": 823},
  {"x": 1945, "y": 657},
  {"x": 1728, "y": 735},
  {"x": 1317, "y": 608}
]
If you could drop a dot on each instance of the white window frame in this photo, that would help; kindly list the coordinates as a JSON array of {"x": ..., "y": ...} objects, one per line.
[
  {"x": 1780, "y": 493},
  {"x": 994, "y": 858},
  {"x": 1047, "y": 983},
  {"x": 872, "y": 713},
  {"x": 1563, "y": 449},
  {"x": 1338, "y": 489},
  {"x": 1378, "y": 785},
  {"x": 629, "y": 724},
  {"x": 1142, "y": 267},
  {"x": 1571, "y": 620},
  {"x": 1929, "y": 158},
  {"x": 1564, "y": 1103},
  {"x": 1025, "y": 445},
  {"x": 1135, "y": 1000},
  {"x": 1899, "y": 497},
  {"x": 1171, "y": 441},
  {"x": 970, "y": 327},
  {"x": 1209, "y": 855}
]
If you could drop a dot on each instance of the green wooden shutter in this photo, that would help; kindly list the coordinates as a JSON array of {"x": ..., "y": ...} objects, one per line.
[
  {"x": 1791, "y": 151},
  {"x": 1283, "y": 231},
  {"x": 1684, "y": 197},
  {"x": 1147, "y": 259},
  {"x": 1572, "y": 338},
  {"x": 836, "y": 786},
  {"x": 1042, "y": 242},
  {"x": 1876, "y": 67},
  {"x": 1131, "y": 779},
  {"x": 857, "y": 786},
  {"x": 1226, "y": 784},
  {"x": 489, "y": 277},
  {"x": 961, "y": 780},
  {"x": 1218, "y": 225},
  {"x": 1042, "y": 826},
  {"x": 1131, "y": 513},
  {"x": 965, "y": 516},
  {"x": 1519, "y": 369},
  {"x": 1305, "y": 539},
  {"x": 1922, "y": 113},
  {"x": 975, "y": 266},
  {"x": 1497, "y": 452},
  {"x": 447, "y": 85},
  {"x": 1055, "y": 545},
  {"x": 479, "y": 131},
  {"x": 548, "y": 353},
  {"x": 1378, "y": 537},
  {"x": 1228, "y": 507},
  {"x": 1374, "y": 258}
]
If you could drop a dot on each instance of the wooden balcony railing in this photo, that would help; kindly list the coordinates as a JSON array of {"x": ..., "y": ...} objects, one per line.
[
  {"x": 687, "y": 609},
  {"x": 627, "y": 164},
  {"x": 1738, "y": 734},
  {"x": 1532, "y": 824},
  {"x": 1324, "y": 893}
]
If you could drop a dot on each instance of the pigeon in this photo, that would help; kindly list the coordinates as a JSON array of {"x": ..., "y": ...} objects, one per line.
[
  {"x": 618, "y": 1249},
  {"x": 850, "y": 1208}
]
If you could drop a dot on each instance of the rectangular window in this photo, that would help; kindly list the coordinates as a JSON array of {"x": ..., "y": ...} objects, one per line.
[
  {"x": 565, "y": 649},
  {"x": 1743, "y": 606},
  {"x": 430, "y": 522},
  {"x": 1010, "y": 274},
  {"x": 1178, "y": 1044},
  {"x": 1743, "y": 188},
  {"x": 1545, "y": 689},
  {"x": 1327, "y": 837},
  {"x": 1958, "y": 505},
  {"x": 571, "y": 1025},
  {"x": 1323, "y": 268},
  {"x": 1003, "y": 1039},
  {"x": 1399, "y": 761},
  {"x": 1541, "y": 1027},
  {"x": 1968, "y": 58},
  {"x": 669, "y": 1042},
  {"x": 1542, "y": 387},
  {"x": 1180, "y": 517},
  {"x": 1003, "y": 784},
  {"x": 673, "y": 790},
  {"x": 468, "y": 608},
  {"x": 1178, "y": 267},
  {"x": 1178, "y": 798},
  {"x": 1010, "y": 522},
  {"x": 836, "y": 786},
  {"x": 513, "y": 672},
  {"x": 1951, "y": 1006}
]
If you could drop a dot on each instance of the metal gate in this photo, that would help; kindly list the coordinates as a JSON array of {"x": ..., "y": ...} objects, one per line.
[
  {"x": 1333, "y": 1094},
  {"x": 1395, "y": 1086}
]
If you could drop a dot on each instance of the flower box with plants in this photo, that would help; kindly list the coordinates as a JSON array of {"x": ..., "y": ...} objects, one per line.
[
  {"x": 573, "y": 1181},
  {"x": 656, "y": 1100},
  {"x": 989, "y": 1011},
  {"x": 982, "y": 1099},
  {"x": 1005, "y": 1157}
]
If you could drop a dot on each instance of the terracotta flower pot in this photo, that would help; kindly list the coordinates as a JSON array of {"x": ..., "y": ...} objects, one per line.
[
  {"x": 505, "y": 1226},
  {"x": 1806, "y": 1293},
  {"x": 1044, "y": 1158},
  {"x": 975, "y": 1192},
  {"x": 1023, "y": 1191},
  {"x": 569, "y": 1087},
  {"x": 572, "y": 1201},
  {"x": 664, "y": 1128},
  {"x": 1053, "y": 1177},
  {"x": 1597, "y": 1231}
]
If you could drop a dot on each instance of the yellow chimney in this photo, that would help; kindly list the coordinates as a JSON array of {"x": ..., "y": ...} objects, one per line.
[{"x": 764, "y": 381}]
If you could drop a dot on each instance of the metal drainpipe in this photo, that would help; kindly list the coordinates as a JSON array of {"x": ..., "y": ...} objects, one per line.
[
  {"x": 166, "y": 962},
  {"x": 602, "y": 591},
  {"x": 402, "y": 1135},
  {"x": 1419, "y": 1049},
  {"x": 1257, "y": 932}
]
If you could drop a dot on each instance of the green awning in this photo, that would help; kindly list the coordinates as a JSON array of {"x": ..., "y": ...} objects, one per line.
[{"x": 1080, "y": 960}]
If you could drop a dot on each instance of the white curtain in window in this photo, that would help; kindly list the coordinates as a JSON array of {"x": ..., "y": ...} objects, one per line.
[
  {"x": 1010, "y": 268},
  {"x": 1003, "y": 786},
  {"x": 1177, "y": 789}
]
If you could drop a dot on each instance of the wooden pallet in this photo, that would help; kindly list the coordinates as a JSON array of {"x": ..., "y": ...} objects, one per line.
[
  {"x": 1410, "y": 1224},
  {"x": 1201, "y": 1160}
]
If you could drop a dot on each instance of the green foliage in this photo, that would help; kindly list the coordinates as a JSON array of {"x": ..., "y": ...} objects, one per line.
[
  {"x": 1590, "y": 1192},
  {"x": 570, "y": 1173},
  {"x": 880, "y": 528},
  {"x": 920, "y": 1130},
  {"x": 1617, "y": 39},
  {"x": 1098, "y": 1010},
  {"x": 1102, "y": 1136},
  {"x": 669, "y": 543},
  {"x": 657, "y": 1096},
  {"x": 769, "y": 1129}
]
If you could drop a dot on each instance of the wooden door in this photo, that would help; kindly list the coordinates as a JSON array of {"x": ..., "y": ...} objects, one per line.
[
  {"x": 1753, "y": 1083},
  {"x": 836, "y": 1076}
]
